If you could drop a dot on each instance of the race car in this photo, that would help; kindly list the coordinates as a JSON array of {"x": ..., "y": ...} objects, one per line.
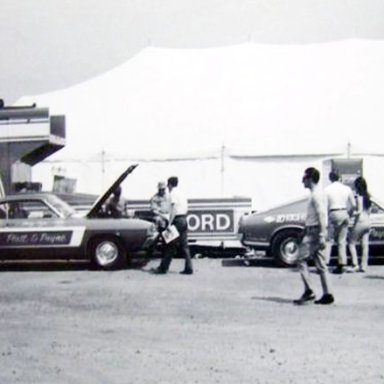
[
  {"x": 278, "y": 231},
  {"x": 41, "y": 226}
]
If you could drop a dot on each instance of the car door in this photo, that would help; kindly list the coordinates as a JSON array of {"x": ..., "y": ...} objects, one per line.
[{"x": 31, "y": 229}]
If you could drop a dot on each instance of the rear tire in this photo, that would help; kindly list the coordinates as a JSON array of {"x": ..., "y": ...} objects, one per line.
[
  {"x": 107, "y": 253},
  {"x": 285, "y": 247}
]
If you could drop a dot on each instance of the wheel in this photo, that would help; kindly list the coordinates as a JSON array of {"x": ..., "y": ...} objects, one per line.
[
  {"x": 107, "y": 253},
  {"x": 285, "y": 247}
]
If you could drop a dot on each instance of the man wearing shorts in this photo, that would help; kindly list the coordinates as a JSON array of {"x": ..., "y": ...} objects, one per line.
[{"x": 313, "y": 244}]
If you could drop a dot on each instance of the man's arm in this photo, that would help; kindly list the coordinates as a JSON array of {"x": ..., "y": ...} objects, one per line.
[
  {"x": 171, "y": 213},
  {"x": 153, "y": 205},
  {"x": 352, "y": 206},
  {"x": 320, "y": 208}
]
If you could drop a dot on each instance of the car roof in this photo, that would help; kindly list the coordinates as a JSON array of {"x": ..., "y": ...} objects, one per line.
[{"x": 95, "y": 207}]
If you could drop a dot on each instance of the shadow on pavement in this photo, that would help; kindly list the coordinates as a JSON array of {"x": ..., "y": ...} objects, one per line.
[
  {"x": 244, "y": 262},
  {"x": 52, "y": 266},
  {"x": 278, "y": 300},
  {"x": 374, "y": 277}
]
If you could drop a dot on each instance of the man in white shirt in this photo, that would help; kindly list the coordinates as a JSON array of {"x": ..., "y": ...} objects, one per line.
[
  {"x": 314, "y": 241},
  {"x": 178, "y": 218},
  {"x": 340, "y": 205}
]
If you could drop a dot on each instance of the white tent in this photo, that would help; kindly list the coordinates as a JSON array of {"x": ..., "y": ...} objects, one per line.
[{"x": 224, "y": 119}]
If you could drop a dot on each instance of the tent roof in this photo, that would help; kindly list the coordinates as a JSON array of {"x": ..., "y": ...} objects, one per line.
[{"x": 254, "y": 99}]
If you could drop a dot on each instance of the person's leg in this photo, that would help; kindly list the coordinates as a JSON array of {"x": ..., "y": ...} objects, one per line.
[
  {"x": 182, "y": 227},
  {"x": 364, "y": 251},
  {"x": 328, "y": 251},
  {"x": 321, "y": 266},
  {"x": 342, "y": 241},
  {"x": 340, "y": 222},
  {"x": 304, "y": 273},
  {"x": 330, "y": 241},
  {"x": 166, "y": 259},
  {"x": 354, "y": 236},
  {"x": 353, "y": 253},
  {"x": 302, "y": 265}
]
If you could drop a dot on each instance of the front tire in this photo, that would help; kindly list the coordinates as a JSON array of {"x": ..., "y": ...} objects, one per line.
[
  {"x": 107, "y": 253},
  {"x": 285, "y": 247}
]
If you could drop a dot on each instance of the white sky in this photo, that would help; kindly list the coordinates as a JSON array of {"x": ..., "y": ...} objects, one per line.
[{"x": 52, "y": 44}]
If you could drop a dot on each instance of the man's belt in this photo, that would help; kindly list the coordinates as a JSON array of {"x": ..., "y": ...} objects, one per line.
[{"x": 337, "y": 209}]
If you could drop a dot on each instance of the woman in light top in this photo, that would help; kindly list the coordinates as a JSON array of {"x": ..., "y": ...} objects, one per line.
[{"x": 361, "y": 226}]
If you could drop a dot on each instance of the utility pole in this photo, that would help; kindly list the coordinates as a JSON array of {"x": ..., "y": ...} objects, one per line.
[{"x": 349, "y": 149}]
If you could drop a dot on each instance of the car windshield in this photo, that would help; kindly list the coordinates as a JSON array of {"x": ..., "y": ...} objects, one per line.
[{"x": 61, "y": 206}]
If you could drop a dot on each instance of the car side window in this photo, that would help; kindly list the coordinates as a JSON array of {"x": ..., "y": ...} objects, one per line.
[
  {"x": 38, "y": 210},
  {"x": 12, "y": 210},
  {"x": 16, "y": 211},
  {"x": 25, "y": 210}
]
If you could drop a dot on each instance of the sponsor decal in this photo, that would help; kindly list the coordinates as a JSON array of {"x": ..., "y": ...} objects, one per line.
[
  {"x": 35, "y": 238},
  {"x": 41, "y": 236},
  {"x": 220, "y": 220},
  {"x": 377, "y": 234},
  {"x": 285, "y": 218},
  {"x": 290, "y": 217}
]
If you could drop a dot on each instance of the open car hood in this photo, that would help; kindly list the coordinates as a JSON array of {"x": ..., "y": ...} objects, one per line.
[{"x": 103, "y": 198}]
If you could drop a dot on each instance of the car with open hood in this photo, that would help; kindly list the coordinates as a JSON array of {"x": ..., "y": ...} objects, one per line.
[
  {"x": 41, "y": 226},
  {"x": 278, "y": 231}
]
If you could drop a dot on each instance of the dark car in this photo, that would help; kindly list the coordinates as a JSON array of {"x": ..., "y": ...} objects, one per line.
[
  {"x": 278, "y": 231},
  {"x": 42, "y": 226}
]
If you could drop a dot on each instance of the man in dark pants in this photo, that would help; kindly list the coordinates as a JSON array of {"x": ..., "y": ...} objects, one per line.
[{"x": 178, "y": 218}]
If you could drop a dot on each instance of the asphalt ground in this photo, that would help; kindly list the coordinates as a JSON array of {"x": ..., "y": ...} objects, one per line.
[{"x": 226, "y": 323}]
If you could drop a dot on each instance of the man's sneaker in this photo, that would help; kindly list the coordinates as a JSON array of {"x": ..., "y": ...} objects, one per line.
[
  {"x": 352, "y": 269},
  {"x": 338, "y": 270},
  {"x": 307, "y": 297},
  {"x": 326, "y": 299}
]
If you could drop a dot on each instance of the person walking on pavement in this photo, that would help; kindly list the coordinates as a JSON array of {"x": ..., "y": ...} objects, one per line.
[
  {"x": 340, "y": 205},
  {"x": 361, "y": 226},
  {"x": 178, "y": 218},
  {"x": 313, "y": 244}
]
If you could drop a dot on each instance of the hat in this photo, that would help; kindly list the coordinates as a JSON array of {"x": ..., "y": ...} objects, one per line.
[{"x": 161, "y": 185}]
